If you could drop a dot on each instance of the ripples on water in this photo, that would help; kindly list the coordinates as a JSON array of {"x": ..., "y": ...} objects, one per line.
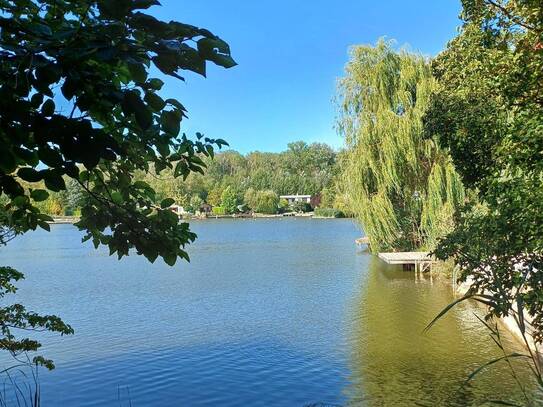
[{"x": 270, "y": 312}]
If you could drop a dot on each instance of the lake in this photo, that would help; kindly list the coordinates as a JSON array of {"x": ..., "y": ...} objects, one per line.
[{"x": 270, "y": 312}]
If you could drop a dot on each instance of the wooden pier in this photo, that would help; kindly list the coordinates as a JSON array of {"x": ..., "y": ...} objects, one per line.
[{"x": 421, "y": 261}]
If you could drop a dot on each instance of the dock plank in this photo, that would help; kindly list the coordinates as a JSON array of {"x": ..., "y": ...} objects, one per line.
[{"x": 406, "y": 257}]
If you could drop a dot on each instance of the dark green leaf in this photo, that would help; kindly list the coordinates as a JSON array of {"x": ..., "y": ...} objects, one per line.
[
  {"x": 217, "y": 51},
  {"x": 170, "y": 259},
  {"x": 138, "y": 72},
  {"x": 7, "y": 161},
  {"x": 29, "y": 174},
  {"x": 44, "y": 225},
  {"x": 155, "y": 84},
  {"x": 39, "y": 195},
  {"x": 155, "y": 101},
  {"x": 48, "y": 108},
  {"x": 166, "y": 203},
  {"x": 170, "y": 122},
  {"x": 54, "y": 181},
  {"x": 50, "y": 157}
]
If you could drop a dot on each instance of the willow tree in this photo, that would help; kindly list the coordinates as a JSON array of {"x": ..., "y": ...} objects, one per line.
[{"x": 401, "y": 187}]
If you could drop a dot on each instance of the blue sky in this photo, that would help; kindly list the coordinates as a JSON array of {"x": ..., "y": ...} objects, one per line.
[{"x": 290, "y": 54}]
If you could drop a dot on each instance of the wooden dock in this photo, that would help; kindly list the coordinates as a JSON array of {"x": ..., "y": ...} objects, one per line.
[
  {"x": 406, "y": 257},
  {"x": 420, "y": 260}
]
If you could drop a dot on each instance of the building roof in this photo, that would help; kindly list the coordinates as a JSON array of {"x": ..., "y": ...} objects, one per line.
[{"x": 294, "y": 196}]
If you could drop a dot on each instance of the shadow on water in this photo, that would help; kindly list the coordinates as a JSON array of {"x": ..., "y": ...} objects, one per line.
[{"x": 393, "y": 363}]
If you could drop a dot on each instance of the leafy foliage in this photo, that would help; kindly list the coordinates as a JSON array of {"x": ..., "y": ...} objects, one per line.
[
  {"x": 229, "y": 201},
  {"x": 98, "y": 54},
  {"x": 302, "y": 168},
  {"x": 328, "y": 213},
  {"x": 488, "y": 111},
  {"x": 401, "y": 187},
  {"x": 266, "y": 202},
  {"x": 78, "y": 108},
  {"x": 15, "y": 319}
]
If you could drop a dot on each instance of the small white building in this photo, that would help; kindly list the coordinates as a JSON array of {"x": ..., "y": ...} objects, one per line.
[
  {"x": 296, "y": 198},
  {"x": 178, "y": 210}
]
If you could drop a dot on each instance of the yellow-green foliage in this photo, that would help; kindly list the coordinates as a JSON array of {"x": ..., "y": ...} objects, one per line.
[{"x": 402, "y": 188}]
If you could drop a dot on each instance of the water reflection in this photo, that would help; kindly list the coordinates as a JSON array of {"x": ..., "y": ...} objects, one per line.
[
  {"x": 394, "y": 363},
  {"x": 278, "y": 312}
]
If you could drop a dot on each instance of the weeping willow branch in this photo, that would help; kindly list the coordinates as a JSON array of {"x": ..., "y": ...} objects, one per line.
[{"x": 402, "y": 188}]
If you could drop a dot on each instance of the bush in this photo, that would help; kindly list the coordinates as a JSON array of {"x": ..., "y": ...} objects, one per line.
[
  {"x": 329, "y": 213},
  {"x": 283, "y": 204},
  {"x": 229, "y": 201},
  {"x": 301, "y": 207},
  {"x": 218, "y": 210},
  {"x": 266, "y": 202}
]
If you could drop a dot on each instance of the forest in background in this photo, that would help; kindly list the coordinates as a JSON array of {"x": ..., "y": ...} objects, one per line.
[{"x": 234, "y": 182}]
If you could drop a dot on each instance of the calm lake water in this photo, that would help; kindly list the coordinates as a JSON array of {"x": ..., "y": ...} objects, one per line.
[{"x": 270, "y": 312}]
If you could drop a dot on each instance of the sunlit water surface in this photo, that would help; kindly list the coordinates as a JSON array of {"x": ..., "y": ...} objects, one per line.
[{"x": 270, "y": 312}]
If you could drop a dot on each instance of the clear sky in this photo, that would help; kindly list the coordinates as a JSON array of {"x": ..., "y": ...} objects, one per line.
[{"x": 290, "y": 54}]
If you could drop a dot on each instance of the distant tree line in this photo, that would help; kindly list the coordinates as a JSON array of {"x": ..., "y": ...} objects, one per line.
[
  {"x": 255, "y": 181},
  {"x": 235, "y": 182}
]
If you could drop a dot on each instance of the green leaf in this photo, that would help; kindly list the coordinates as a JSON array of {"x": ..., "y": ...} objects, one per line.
[
  {"x": 170, "y": 121},
  {"x": 36, "y": 100},
  {"x": 48, "y": 108},
  {"x": 54, "y": 181},
  {"x": 20, "y": 201},
  {"x": 155, "y": 84},
  {"x": 447, "y": 308},
  {"x": 132, "y": 103},
  {"x": 50, "y": 157},
  {"x": 166, "y": 203},
  {"x": 217, "y": 51},
  {"x": 29, "y": 174},
  {"x": 7, "y": 160},
  {"x": 493, "y": 361},
  {"x": 44, "y": 225},
  {"x": 39, "y": 195},
  {"x": 138, "y": 72},
  {"x": 143, "y": 4},
  {"x": 170, "y": 259},
  {"x": 117, "y": 197},
  {"x": 48, "y": 74},
  {"x": 176, "y": 103},
  {"x": 154, "y": 101}
]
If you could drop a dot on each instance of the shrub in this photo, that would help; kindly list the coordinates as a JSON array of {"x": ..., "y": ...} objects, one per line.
[
  {"x": 229, "y": 201},
  {"x": 218, "y": 210},
  {"x": 329, "y": 213},
  {"x": 266, "y": 202},
  {"x": 301, "y": 207}
]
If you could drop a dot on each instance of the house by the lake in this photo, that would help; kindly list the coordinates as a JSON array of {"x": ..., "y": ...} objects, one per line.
[
  {"x": 178, "y": 210},
  {"x": 291, "y": 199}
]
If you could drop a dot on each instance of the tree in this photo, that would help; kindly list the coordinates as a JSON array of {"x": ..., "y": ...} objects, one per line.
[
  {"x": 15, "y": 318},
  {"x": 266, "y": 202},
  {"x": 398, "y": 184},
  {"x": 229, "y": 201},
  {"x": 488, "y": 110},
  {"x": 195, "y": 203},
  {"x": 249, "y": 198},
  {"x": 214, "y": 196},
  {"x": 76, "y": 101}
]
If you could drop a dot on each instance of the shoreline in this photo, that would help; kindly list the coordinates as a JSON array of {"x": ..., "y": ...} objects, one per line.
[
  {"x": 509, "y": 323},
  {"x": 60, "y": 220}
]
